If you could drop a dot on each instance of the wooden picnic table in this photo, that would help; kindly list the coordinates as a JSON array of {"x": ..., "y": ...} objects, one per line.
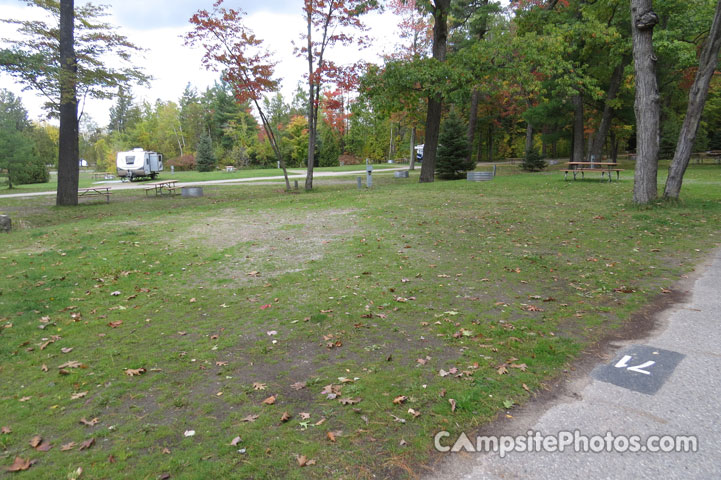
[
  {"x": 168, "y": 187},
  {"x": 94, "y": 192},
  {"x": 582, "y": 167},
  {"x": 102, "y": 175}
]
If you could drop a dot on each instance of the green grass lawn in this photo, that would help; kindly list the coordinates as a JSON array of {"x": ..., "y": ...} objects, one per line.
[{"x": 372, "y": 318}]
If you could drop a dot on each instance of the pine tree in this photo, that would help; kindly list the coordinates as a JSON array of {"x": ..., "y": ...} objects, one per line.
[
  {"x": 452, "y": 161},
  {"x": 205, "y": 158}
]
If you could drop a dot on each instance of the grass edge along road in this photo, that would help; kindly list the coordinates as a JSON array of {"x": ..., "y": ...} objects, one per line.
[{"x": 327, "y": 334}]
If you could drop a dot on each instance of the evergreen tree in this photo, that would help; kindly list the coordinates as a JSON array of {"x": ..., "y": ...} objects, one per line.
[
  {"x": 533, "y": 162},
  {"x": 17, "y": 147},
  {"x": 205, "y": 158},
  {"x": 452, "y": 159}
]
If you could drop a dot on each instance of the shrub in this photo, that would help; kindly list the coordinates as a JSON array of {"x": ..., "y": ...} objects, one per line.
[
  {"x": 182, "y": 163},
  {"x": 533, "y": 162}
]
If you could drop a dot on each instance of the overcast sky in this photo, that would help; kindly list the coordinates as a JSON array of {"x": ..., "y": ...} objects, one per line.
[{"x": 157, "y": 26}]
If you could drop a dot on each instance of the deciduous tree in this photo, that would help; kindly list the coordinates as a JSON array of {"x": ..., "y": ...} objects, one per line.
[
  {"x": 696, "y": 101},
  {"x": 63, "y": 60},
  {"x": 328, "y": 23},
  {"x": 232, "y": 47}
]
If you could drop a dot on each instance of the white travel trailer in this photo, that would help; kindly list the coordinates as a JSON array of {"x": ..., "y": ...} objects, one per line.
[{"x": 139, "y": 163}]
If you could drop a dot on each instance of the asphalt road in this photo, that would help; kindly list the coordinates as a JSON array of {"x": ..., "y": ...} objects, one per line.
[
  {"x": 296, "y": 175},
  {"x": 677, "y": 393}
]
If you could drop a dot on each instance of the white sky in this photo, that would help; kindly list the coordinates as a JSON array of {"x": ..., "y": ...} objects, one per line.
[{"x": 157, "y": 25}]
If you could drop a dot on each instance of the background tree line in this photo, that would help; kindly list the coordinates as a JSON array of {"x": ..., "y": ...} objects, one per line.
[{"x": 541, "y": 78}]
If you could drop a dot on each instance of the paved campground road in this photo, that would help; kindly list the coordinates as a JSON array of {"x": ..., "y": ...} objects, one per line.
[
  {"x": 665, "y": 385},
  {"x": 295, "y": 175}
]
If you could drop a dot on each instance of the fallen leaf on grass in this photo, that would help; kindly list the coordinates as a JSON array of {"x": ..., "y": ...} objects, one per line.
[
  {"x": 285, "y": 417},
  {"x": 20, "y": 464},
  {"x": 165, "y": 451},
  {"x": 235, "y": 441},
  {"x": 304, "y": 415},
  {"x": 331, "y": 436},
  {"x": 132, "y": 372},
  {"x": 442, "y": 373},
  {"x": 253, "y": 274},
  {"x": 87, "y": 444},
  {"x": 75, "y": 396},
  {"x": 398, "y": 419},
  {"x": 44, "y": 368},
  {"x": 319, "y": 422},
  {"x": 35, "y": 441},
  {"x": 502, "y": 370},
  {"x": 349, "y": 401},
  {"x": 115, "y": 324},
  {"x": 298, "y": 386},
  {"x": 67, "y": 446},
  {"x": 259, "y": 386},
  {"x": 189, "y": 433},
  {"x": 266, "y": 306},
  {"x": 6, "y": 430},
  {"x": 270, "y": 400},
  {"x": 303, "y": 461},
  {"x": 525, "y": 387},
  {"x": 415, "y": 413},
  {"x": 66, "y": 349},
  {"x": 72, "y": 364},
  {"x": 521, "y": 366},
  {"x": 221, "y": 364},
  {"x": 453, "y": 404},
  {"x": 24, "y": 399},
  {"x": 74, "y": 475},
  {"x": 90, "y": 423},
  {"x": 193, "y": 300},
  {"x": 111, "y": 459},
  {"x": 399, "y": 399},
  {"x": 250, "y": 418}
]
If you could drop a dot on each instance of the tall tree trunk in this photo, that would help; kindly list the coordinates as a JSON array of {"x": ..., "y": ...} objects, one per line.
[
  {"x": 614, "y": 146},
  {"x": 312, "y": 109},
  {"x": 596, "y": 151},
  {"x": 472, "y": 122},
  {"x": 68, "y": 149},
  {"x": 696, "y": 101},
  {"x": 529, "y": 139},
  {"x": 433, "y": 117},
  {"x": 479, "y": 150},
  {"x": 647, "y": 106},
  {"x": 475, "y": 95},
  {"x": 412, "y": 158},
  {"x": 490, "y": 142},
  {"x": 577, "y": 153}
]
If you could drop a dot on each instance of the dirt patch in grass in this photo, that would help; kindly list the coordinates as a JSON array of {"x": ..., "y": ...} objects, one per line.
[{"x": 284, "y": 241}]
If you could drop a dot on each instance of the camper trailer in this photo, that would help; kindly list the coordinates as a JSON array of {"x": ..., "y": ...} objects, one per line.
[{"x": 139, "y": 163}]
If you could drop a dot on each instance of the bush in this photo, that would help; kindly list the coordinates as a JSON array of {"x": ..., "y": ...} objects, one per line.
[
  {"x": 533, "y": 162},
  {"x": 33, "y": 170},
  {"x": 453, "y": 149},
  {"x": 182, "y": 163}
]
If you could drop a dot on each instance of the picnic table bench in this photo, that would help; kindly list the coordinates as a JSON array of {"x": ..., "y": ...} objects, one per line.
[
  {"x": 103, "y": 175},
  {"x": 94, "y": 192},
  {"x": 582, "y": 167},
  {"x": 168, "y": 187},
  {"x": 712, "y": 154}
]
